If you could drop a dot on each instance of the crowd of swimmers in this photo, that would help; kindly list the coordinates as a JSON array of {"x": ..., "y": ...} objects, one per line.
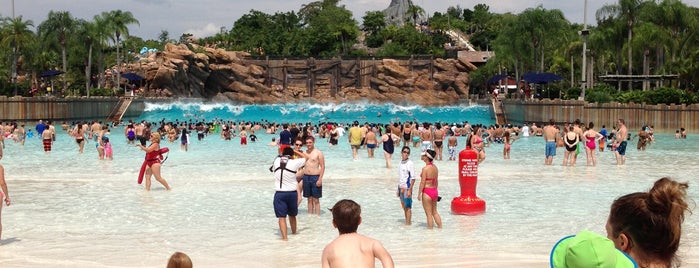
[{"x": 631, "y": 230}]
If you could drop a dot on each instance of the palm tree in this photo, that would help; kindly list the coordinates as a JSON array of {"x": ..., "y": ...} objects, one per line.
[
  {"x": 414, "y": 11},
  {"x": 58, "y": 26},
  {"x": 118, "y": 22},
  {"x": 627, "y": 11},
  {"x": 16, "y": 34},
  {"x": 102, "y": 34}
]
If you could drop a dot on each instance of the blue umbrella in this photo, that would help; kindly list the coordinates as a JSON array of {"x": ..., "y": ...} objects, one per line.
[
  {"x": 540, "y": 78},
  {"x": 496, "y": 78},
  {"x": 50, "y": 73},
  {"x": 132, "y": 76}
]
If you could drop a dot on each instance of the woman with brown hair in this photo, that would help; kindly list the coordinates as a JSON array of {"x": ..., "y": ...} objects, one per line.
[{"x": 648, "y": 225}]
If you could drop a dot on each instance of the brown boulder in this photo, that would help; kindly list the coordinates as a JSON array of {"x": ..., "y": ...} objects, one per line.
[{"x": 393, "y": 68}]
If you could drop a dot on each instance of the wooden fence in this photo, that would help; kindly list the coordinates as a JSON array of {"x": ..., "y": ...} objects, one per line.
[
  {"x": 62, "y": 109},
  {"x": 664, "y": 118},
  {"x": 335, "y": 73}
]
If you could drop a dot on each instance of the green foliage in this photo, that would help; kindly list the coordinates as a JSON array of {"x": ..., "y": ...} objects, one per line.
[
  {"x": 101, "y": 92},
  {"x": 601, "y": 93},
  {"x": 572, "y": 93},
  {"x": 634, "y": 96}
]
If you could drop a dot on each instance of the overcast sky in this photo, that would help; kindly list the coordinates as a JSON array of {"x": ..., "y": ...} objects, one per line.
[{"x": 206, "y": 17}]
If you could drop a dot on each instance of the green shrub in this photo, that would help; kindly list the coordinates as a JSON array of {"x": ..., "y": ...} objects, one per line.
[
  {"x": 601, "y": 93},
  {"x": 634, "y": 96}
]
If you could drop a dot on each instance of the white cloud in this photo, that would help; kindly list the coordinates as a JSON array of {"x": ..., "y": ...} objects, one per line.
[{"x": 207, "y": 30}]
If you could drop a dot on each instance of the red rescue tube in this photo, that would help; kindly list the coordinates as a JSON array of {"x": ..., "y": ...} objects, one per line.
[{"x": 154, "y": 159}]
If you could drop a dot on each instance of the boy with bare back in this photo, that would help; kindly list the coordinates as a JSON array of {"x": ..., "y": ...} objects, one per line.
[{"x": 352, "y": 249}]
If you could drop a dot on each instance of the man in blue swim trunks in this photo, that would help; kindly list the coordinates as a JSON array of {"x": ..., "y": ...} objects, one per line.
[
  {"x": 286, "y": 195},
  {"x": 406, "y": 181},
  {"x": 620, "y": 139},
  {"x": 313, "y": 176},
  {"x": 550, "y": 134}
]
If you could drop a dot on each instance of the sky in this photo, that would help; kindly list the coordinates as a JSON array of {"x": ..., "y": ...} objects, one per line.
[{"x": 207, "y": 17}]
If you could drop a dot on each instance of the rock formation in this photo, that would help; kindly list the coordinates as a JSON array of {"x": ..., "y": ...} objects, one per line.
[
  {"x": 220, "y": 75},
  {"x": 396, "y": 12}
]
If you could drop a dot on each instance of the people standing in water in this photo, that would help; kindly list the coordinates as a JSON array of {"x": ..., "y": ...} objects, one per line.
[
  {"x": 648, "y": 225},
  {"x": 429, "y": 195},
  {"x": 354, "y": 138},
  {"x": 507, "y": 140},
  {"x": 388, "y": 143},
  {"x": 550, "y": 134},
  {"x": 604, "y": 134},
  {"x": 452, "y": 142},
  {"x": 406, "y": 183},
  {"x": 352, "y": 249},
  {"x": 153, "y": 161},
  {"x": 571, "y": 140},
  {"x": 4, "y": 195},
  {"x": 184, "y": 139},
  {"x": 476, "y": 142},
  {"x": 438, "y": 137},
  {"x": 108, "y": 152},
  {"x": 47, "y": 140},
  {"x": 591, "y": 137},
  {"x": 313, "y": 176},
  {"x": 285, "y": 199},
  {"x": 371, "y": 141},
  {"x": 620, "y": 141}
]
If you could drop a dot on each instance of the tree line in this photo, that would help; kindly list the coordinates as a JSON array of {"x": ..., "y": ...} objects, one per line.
[{"x": 635, "y": 37}]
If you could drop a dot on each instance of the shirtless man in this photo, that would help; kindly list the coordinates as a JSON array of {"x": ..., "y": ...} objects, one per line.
[
  {"x": 351, "y": 249},
  {"x": 95, "y": 129},
  {"x": 313, "y": 176},
  {"x": 371, "y": 142},
  {"x": 426, "y": 137},
  {"x": 620, "y": 139},
  {"x": 138, "y": 128},
  {"x": 452, "y": 142},
  {"x": 550, "y": 134},
  {"x": 47, "y": 140}
]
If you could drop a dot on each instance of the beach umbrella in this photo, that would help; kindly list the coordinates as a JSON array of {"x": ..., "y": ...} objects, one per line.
[
  {"x": 49, "y": 73},
  {"x": 541, "y": 78},
  {"x": 496, "y": 78},
  {"x": 132, "y": 76}
]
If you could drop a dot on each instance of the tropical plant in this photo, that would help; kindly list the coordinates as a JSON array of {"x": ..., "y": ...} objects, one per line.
[{"x": 15, "y": 34}]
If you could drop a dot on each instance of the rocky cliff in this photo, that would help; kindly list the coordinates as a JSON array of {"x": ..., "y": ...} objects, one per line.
[{"x": 220, "y": 75}]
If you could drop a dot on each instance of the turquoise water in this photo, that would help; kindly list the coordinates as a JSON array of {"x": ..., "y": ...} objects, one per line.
[
  {"x": 315, "y": 113},
  {"x": 73, "y": 210}
]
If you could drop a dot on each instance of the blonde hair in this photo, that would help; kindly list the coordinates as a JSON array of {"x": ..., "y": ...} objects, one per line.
[
  {"x": 157, "y": 136},
  {"x": 179, "y": 260}
]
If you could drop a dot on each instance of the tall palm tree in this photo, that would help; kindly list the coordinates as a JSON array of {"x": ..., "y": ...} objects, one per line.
[
  {"x": 627, "y": 11},
  {"x": 16, "y": 34},
  {"x": 86, "y": 32},
  {"x": 102, "y": 34},
  {"x": 414, "y": 11},
  {"x": 58, "y": 26},
  {"x": 118, "y": 22}
]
